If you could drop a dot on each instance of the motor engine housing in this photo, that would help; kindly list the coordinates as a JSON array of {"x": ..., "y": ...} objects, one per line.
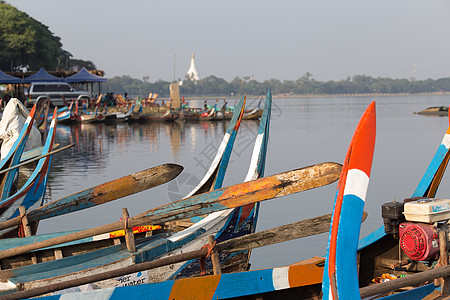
[{"x": 419, "y": 241}]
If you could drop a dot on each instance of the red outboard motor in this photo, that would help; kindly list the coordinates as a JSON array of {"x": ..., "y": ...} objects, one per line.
[{"x": 419, "y": 241}]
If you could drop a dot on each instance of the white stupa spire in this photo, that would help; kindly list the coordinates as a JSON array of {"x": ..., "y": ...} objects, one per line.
[{"x": 193, "y": 70}]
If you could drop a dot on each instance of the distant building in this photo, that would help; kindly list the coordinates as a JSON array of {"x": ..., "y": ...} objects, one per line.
[{"x": 192, "y": 72}]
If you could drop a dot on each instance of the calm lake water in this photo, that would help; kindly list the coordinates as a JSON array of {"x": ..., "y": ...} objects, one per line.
[{"x": 303, "y": 132}]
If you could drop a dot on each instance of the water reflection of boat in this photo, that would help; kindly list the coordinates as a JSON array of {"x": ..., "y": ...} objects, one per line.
[{"x": 435, "y": 111}]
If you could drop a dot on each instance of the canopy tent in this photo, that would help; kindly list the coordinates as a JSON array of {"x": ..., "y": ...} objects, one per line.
[
  {"x": 8, "y": 79},
  {"x": 42, "y": 75},
  {"x": 83, "y": 76}
]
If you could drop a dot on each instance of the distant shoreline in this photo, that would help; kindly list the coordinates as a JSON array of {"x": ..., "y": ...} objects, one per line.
[{"x": 312, "y": 96}]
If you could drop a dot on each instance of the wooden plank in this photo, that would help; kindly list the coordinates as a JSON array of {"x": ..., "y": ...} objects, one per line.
[
  {"x": 214, "y": 256},
  {"x": 443, "y": 260},
  {"x": 249, "y": 192},
  {"x": 410, "y": 280}
]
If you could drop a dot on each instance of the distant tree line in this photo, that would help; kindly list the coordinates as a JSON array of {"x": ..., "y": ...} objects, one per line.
[
  {"x": 306, "y": 85},
  {"x": 27, "y": 44}
]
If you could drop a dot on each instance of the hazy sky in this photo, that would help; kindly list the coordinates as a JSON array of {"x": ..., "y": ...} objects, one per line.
[{"x": 267, "y": 39}]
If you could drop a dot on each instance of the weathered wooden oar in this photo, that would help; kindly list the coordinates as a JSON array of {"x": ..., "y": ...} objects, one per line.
[
  {"x": 280, "y": 234},
  {"x": 102, "y": 193},
  {"x": 241, "y": 194},
  {"x": 37, "y": 158}
]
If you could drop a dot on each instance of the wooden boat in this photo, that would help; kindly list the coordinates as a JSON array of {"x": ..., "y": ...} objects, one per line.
[
  {"x": 191, "y": 115},
  {"x": 235, "y": 196},
  {"x": 257, "y": 163},
  {"x": 349, "y": 272},
  {"x": 63, "y": 114},
  {"x": 211, "y": 114},
  {"x": 14, "y": 155},
  {"x": 85, "y": 117},
  {"x": 113, "y": 117},
  {"x": 131, "y": 116},
  {"x": 252, "y": 114},
  {"x": 31, "y": 194},
  {"x": 168, "y": 116},
  {"x": 435, "y": 111},
  {"x": 299, "y": 280},
  {"x": 214, "y": 177}
]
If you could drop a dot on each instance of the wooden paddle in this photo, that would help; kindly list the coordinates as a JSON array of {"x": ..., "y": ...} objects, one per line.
[
  {"x": 102, "y": 193},
  {"x": 241, "y": 194},
  {"x": 283, "y": 233}
]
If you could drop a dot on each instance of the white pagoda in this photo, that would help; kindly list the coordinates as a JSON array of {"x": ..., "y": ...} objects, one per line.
[{"x": 192, "y": 72}]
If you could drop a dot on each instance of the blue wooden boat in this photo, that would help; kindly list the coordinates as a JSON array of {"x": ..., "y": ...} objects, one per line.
[
  {"x": 63, "y": 114},
  {"x": 31, "y": 194},
  {"x": 14, "y": 155}
]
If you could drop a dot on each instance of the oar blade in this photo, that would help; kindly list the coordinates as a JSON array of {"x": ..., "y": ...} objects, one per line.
[{"x": 108, "y": 191}]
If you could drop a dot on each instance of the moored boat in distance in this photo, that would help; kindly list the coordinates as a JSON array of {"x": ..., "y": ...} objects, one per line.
[{"x": 434, "y": 111}]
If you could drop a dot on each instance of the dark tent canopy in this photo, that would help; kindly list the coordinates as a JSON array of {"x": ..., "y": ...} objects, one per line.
[
  {"x": 83, "y": 76},
  {"x": 7, "y": 79},
  {"x": 42, "y": 75}
]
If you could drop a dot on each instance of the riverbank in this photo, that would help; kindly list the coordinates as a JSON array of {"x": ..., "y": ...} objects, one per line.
[{"x": 298, "y": 96}]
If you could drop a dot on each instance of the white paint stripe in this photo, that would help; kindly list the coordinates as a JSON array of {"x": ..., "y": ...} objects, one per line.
[
  {"x": 356, "y": 184},
  {"x": 100, "y": 237},
  {"x": 4, "y": 286},
  {"x": 330, "y": 292},
  {"x": 101, "y": 294},
  {"x": 280, "y": 278},
  {"x": 214, "y": 164},
  {"x": 446, "y": 141},
  {"x": 252, "y": 175}
]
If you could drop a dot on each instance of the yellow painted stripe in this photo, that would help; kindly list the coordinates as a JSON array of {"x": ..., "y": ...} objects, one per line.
[
  {"x": 198, "y": 288},
  {"x": 137, "y": 229}
]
